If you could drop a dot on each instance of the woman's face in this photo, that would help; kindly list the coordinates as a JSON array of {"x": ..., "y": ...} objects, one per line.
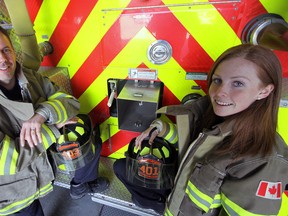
[{"x": 235, "y": 86}]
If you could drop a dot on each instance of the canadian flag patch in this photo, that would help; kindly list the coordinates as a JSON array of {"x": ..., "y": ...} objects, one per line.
[{"x": 269, "y": 190}]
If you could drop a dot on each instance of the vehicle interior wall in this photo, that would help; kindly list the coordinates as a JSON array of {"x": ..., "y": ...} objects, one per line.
[{"x": 103, "y": 40}]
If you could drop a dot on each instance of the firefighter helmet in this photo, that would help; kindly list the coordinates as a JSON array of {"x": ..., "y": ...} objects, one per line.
[
  {"x": 152, "y": 166},
  {"x": 74, "y": 147}
]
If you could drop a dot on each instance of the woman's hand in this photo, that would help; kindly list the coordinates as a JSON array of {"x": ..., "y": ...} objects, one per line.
[
  {"x": 151, "y": 131},
  {"x": 31, "y": 131}
]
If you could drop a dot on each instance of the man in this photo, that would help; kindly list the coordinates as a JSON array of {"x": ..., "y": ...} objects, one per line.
[{"x": 32, "y": 112}]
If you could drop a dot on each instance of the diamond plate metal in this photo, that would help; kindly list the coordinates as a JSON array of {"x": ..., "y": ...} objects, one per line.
[{"x": 116, "y": 196}]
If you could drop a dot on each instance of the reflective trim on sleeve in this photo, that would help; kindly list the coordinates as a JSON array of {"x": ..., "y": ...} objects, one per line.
[
  {"x": 171, "y": 135},
  {"x": 48, "y": 137},
  {"x": 58, "y": 95},
  {"x": 60, "y": 110},
  {"x": 8, "y": 157}
]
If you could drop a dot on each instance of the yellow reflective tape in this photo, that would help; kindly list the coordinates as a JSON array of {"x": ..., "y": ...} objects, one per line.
[
  {"x": 59, "y": 94},
  {"x": 45, "y": 142},
  {"x": 90, "y": 34},
  {"x": 216, "y": 202},
  {"x": 167, "y": 212},
  {"x": 44, "y": 190},
  {"x": 62, "y": 167},
  {"x": 282, "y": 123},
  {"x": 4, "y": 153},
  {"x": 49, "y": 12},
  {"x": 233, "y": 209},
  {"x": 277, "y": 6},
  {"x": 284, "y": 206},
  {"x": 172, "y": 136},
  {"x": 8, "y": 158},
  {"x": 60, "y": 110},
  {"x": 48, "y": 136},
  {"x": 14, "y": 159},
  {"x": 207, "y": 26},
  {"x": 64, "y": 116},
  {"x": 200, "y": 199},
  {"x": 16, "y": 206},
  {"x": 175, "y": 140}
]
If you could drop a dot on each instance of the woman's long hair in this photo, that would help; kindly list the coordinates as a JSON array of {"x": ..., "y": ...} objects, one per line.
[{"x": 254, "y": 131}]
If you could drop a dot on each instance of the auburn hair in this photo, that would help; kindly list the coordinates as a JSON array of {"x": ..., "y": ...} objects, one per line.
[{"x": 254, "y": 131}]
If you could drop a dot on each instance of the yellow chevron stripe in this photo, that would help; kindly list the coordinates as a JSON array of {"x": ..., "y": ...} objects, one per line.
[
  {"x": 136, "y": 45},
  {"x": 92, "y": 31},
  {"x": 49, "y": 12},
  {"x": 171, "y": 73},
  {"x": 120, "y": 153},
  {"x": 278, "y": 7},
  {"x": 207, "y": 26},
  {"x": 173, "y": 76},
  {"x": 112, "y": 123}
]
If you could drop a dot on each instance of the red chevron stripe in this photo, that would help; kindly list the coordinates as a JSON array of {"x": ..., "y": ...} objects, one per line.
[
  {"x": 101, "y": 112},
  {"x": 110, "y": 46},
  {"x": 245, "y": 11},
  {"x": 118, "y": 141},
  {"x": 102, "y": 55},
  {"x": 70, "y": 23},
  {"x": 283, "y": 57},
  {"x": 186, "y": 50},
  {"x": 33, "y": 7}
]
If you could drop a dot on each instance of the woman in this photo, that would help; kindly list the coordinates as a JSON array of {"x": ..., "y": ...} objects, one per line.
[{"x": 234, "y": 161}]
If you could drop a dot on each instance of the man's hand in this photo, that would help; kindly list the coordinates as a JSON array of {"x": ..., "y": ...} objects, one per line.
[{"x": 31, "y": 131}]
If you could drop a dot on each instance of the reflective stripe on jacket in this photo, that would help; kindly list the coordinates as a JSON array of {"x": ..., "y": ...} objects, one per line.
[
  {"x": 221, "y": 186},
  {"x": 22, "y": 179}
]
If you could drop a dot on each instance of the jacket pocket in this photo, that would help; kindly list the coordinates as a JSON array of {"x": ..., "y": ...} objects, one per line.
[
  {"x": 202, "y": 194},
  {"x": 16, "y": 188}
]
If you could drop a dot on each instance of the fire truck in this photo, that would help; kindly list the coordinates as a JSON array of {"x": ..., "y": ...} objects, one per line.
[{"x": 125, "y": 59}]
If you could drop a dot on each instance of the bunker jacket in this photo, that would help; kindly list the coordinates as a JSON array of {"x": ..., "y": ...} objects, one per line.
[
  {"x": 25, "y": 173},
  {"x": 209, "y": 185}
]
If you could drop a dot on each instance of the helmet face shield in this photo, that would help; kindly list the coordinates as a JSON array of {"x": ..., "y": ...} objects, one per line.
[
  {"x": 75, "y": 157},
  {"x": 149, "y": 167},
  {"x": 74, "y": 148},
  {"x": 152, "y": 166}
]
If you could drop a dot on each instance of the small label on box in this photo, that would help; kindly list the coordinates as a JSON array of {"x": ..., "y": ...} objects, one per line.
[{"x": 142, "y": 74}]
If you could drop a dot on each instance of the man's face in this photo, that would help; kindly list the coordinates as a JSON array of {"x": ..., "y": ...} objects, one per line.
[{"x": 7, "y": 60}]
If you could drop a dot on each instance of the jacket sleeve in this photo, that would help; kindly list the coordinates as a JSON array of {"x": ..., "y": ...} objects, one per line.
[
  {"x": 14, "y": 158},
  {"x": 58, "y": 106},
  {"x": 167, "y": 130}
]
